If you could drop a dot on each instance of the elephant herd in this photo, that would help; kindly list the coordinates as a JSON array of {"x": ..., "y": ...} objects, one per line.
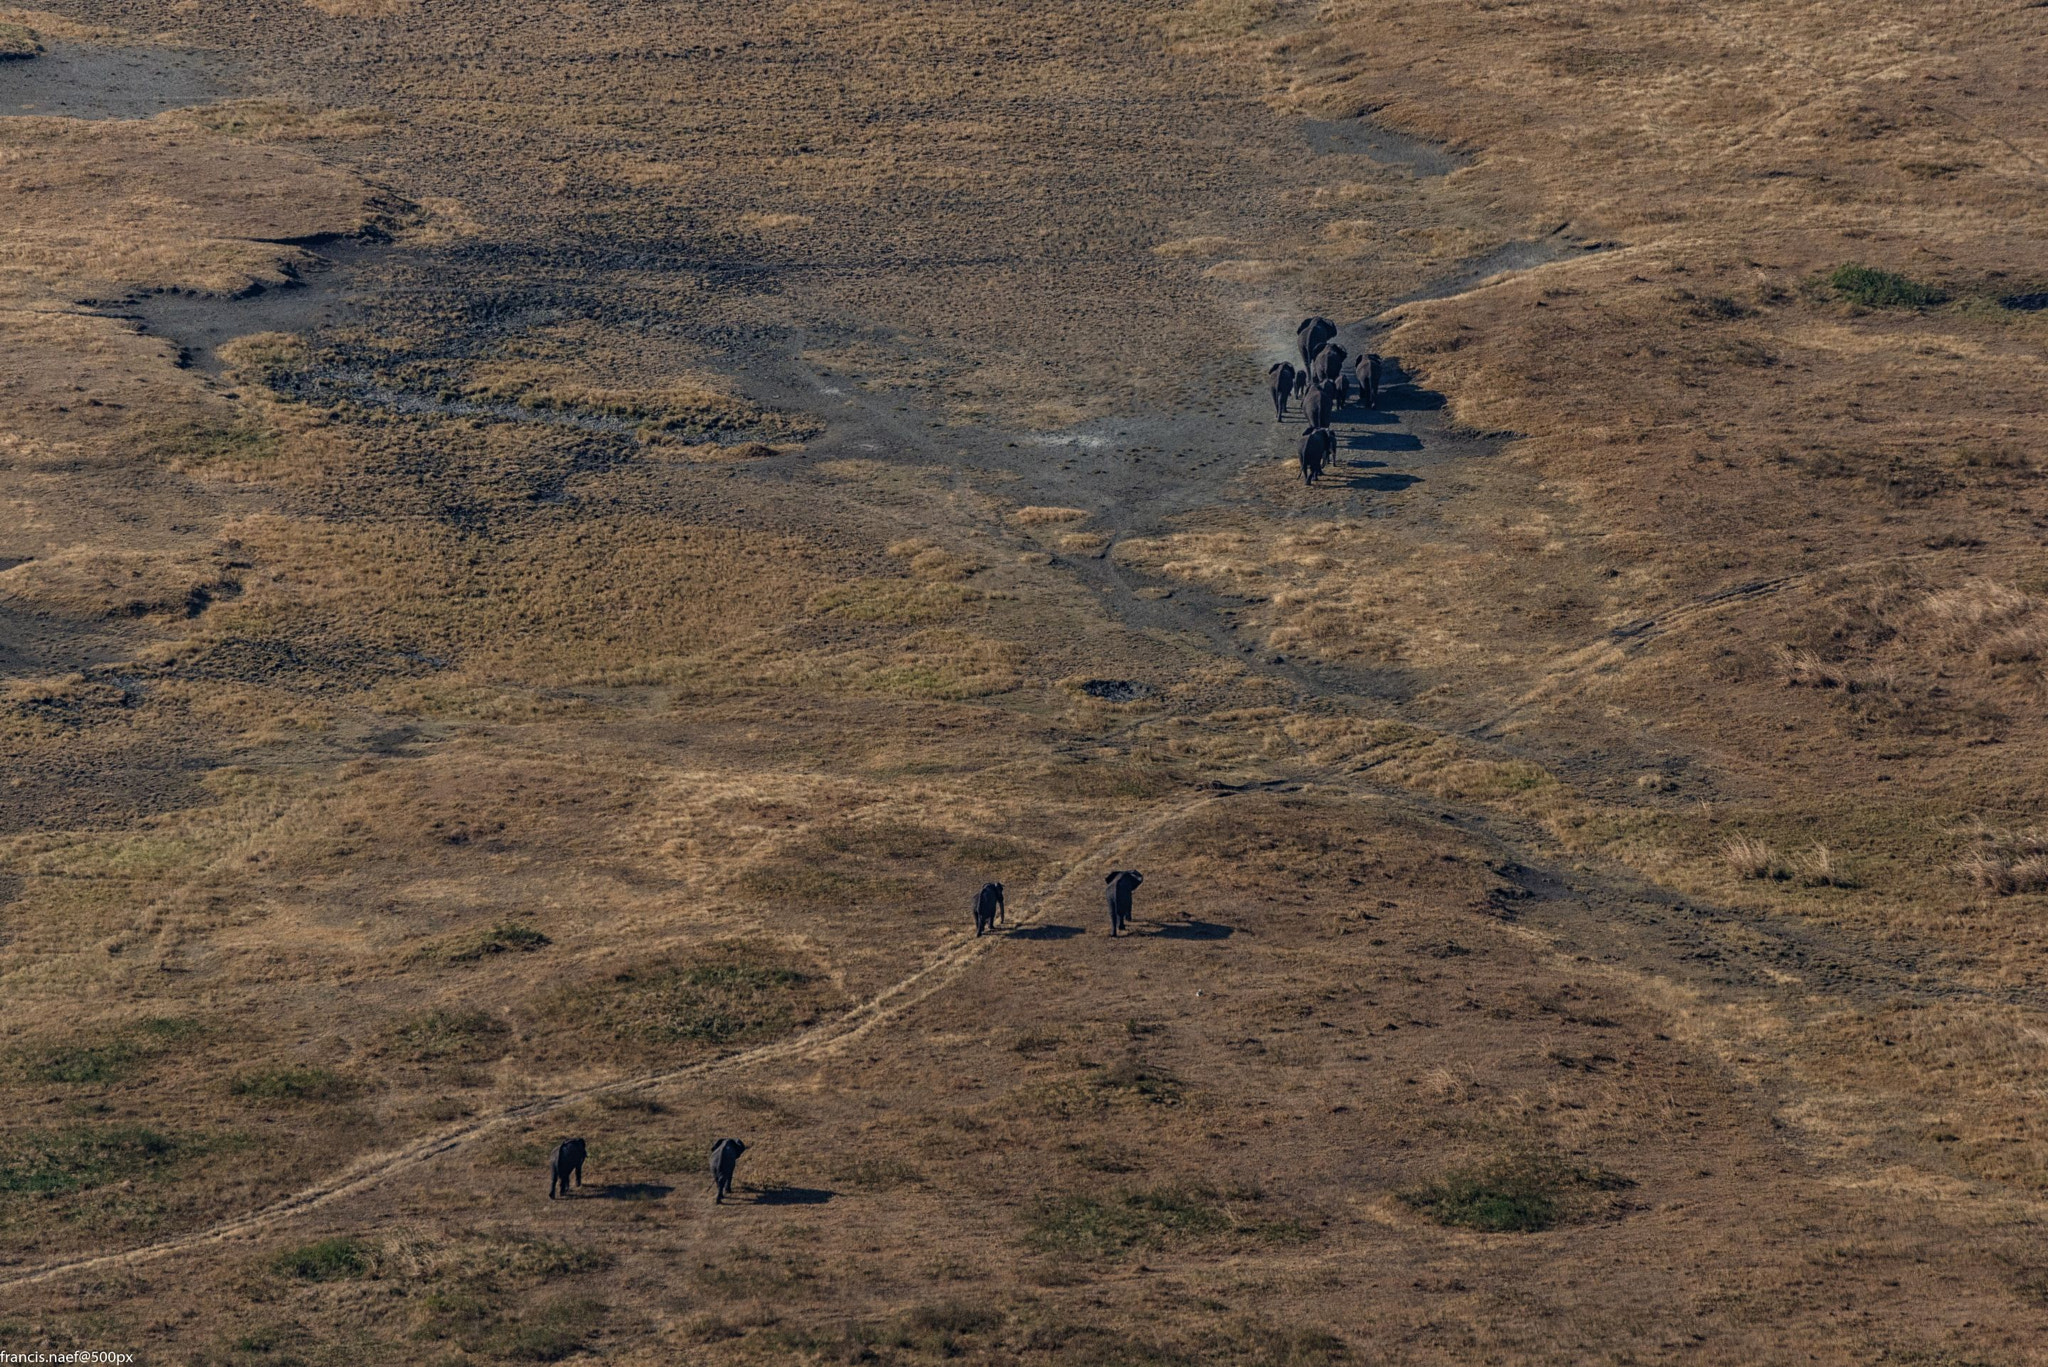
[
  {"x": 1120, "y": 884},
  {"x": 565, "y": 1165},
  {"x": 1321, "y": 387}
]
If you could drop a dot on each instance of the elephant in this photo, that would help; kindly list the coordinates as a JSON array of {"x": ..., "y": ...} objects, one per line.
[
  {"x": 1121, "y": 884},
  {"x": 1321, "y": 404},
  {"x": 1328, "y": 364},
  {"x": 1280, "y": 380},
  {"x": 1369, "y": 378},
  {"x": 566, "y": 1162},
  {"x": 988, "y": 907},
  {"x": 1318, "y": 445},
  {"x": 1312, "y": 333},
  {"x": 725, "y": 1156}
]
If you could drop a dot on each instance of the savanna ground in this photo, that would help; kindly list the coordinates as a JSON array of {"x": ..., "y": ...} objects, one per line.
[{"x": 756, "y": 471}]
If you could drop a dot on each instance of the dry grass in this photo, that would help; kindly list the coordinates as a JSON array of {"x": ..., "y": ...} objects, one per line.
[{"x": 531, "y": 760}]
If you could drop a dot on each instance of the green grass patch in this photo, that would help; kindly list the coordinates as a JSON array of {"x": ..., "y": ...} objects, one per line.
[
  {"x": 1518, "y": 1194},
  {"x": 81, "y": 1065},
  {"x": 292, "y": 1084},
  {"x": 1092, "y": 1226},
  {"x": 81, "y": 1158},
  {"x": 326, "y": 1260},
  {"x": 1876, "y": 289},
  {"x": 734, "y": 994},
  {"x": 438, "y": 1034}
]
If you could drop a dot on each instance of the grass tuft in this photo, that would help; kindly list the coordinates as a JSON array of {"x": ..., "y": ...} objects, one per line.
[
  {"x": 326, "y": 1260},
  {"x": 1876, "y": 289}
]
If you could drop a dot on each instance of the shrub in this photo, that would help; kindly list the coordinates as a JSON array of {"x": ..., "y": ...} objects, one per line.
[
  {"x": 1878, "y": 289},
  {"x": 325, "y": 1260}
]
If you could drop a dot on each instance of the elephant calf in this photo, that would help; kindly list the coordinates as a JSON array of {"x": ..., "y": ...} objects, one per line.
[
  {"x": 1318, "y": 445},
  {"x": 1122, "y": 882},
  {"x": 566, "y": 1163},
  {"x": 988, "y": 907},
  {"x": 725, "y": 1156}
]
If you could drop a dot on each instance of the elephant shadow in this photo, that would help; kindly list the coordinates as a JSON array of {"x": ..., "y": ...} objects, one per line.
[
  {"x": 792, "y": 1196},
  {"x": 1193, "y": 930},
  {"x": 1406, "y": 398},
  {"x": 1044, "y": 933},
  {"x": 628, "y": 1191},
  {"x": 1385, "y": 484},
  {"x": 1383, "y": 441}
]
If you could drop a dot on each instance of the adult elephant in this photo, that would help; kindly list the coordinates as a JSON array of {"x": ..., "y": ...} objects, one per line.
[
  {"x": 1280, "y": 381},
  {"x": 1320, "y": 405},
  {"x": 1328, "y": 365},
  {"x": 1312, "y": 334},
  {"x": 1122, "y": 883},
  {"x": 1368, "y": 369}
]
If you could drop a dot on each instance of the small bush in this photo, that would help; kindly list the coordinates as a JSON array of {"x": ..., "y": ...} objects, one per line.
[
  {"x": 291, "y": 1084},
  {"x": 1878, "y": 289},
  {"x": 326, "y": 1260}
]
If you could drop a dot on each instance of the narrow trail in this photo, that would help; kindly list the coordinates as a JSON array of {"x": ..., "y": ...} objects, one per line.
[{"x": 820, "y": 1042}]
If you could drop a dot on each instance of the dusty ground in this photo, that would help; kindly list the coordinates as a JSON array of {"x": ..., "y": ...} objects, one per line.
[{"x": 550, "y": 549}]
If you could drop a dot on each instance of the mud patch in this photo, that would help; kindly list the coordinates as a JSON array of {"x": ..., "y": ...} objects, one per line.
[
  {"x": 1364, "y": 138},
  {"x": 80, "y": 81},
  {"x": 323, "y": 295}
]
